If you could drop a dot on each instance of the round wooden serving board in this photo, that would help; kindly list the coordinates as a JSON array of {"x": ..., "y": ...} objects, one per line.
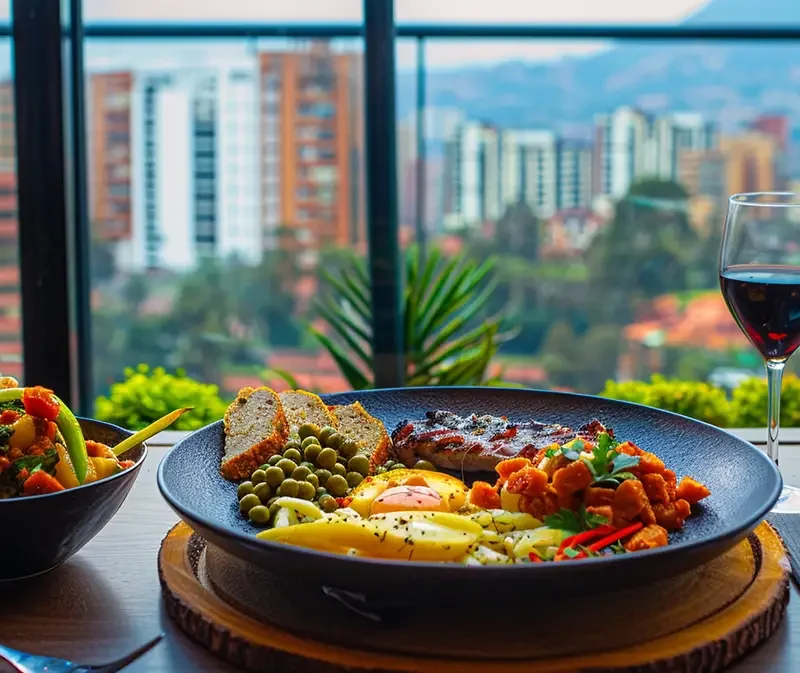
[{"x": 699, "y": 621}]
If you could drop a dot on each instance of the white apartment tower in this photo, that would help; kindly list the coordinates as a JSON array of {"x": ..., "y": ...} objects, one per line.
[{"x": 194, "y": 168}]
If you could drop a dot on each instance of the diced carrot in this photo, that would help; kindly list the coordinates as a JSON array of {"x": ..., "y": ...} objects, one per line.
[
  {"x": 598, "y": 497},
  {"x": 649, "y": 537},
  {"x": 484, "y": 495},
  {"x": 527, "y": 481},
  {"x": 656, "y": 488},
  {"x": 125, "y": 464},
  {"x": 692, "y": 491},
  {"x": 572, "y": 478},
  {"x": 650, "y": 463},
  {"x": 506, "y": 468},
  {"x": 39, "y": 483},
  {"x": 9, "y": 416}
]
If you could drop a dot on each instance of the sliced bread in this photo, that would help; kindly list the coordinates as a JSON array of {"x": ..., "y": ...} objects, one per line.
[
  {"x": 255, "y": 429},
  {"x": 301, "y": 407},
  {"x": 368, "y": 432}
]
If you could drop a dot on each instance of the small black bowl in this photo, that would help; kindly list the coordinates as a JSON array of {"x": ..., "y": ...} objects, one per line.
[{"x": 40, "y": 532}]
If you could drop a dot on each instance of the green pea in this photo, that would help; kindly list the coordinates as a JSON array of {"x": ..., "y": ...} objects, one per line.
[
  {"x": 313, "y": 479},
  {"x": 244, "y": 488},
  {"x": 398, "y": 466},
  {"x": 259, "y": 515},
  {"x": 424, "y": 465},
  {"x": 342, "y": 460},
  {"x": 323, "y": 475},
  {"x": 293, "y": 455},
  {"x": 348, "y": 447},
  {"x": 288, "y": 488},
  {"x": 335, "y": 441},
  {"x": 308, "y": 430},
  {"x": 320, "y": 492},
  {"x": 274, "y": 460},
  {"x": 326, "y": 459},
  {"x": 326, "y": 432},
  {"x": 291, "y": 444},
  {"x": 339, "y": 469},
  {"x": 305, "y": 491},
  {"x": 264, "y": 466},
  {"x": 354, "y": 479},
  {"x": 389, "y": 464},
  {"x": 272, "y": 501},
  {"x": 307, "y": 463},
  {"x": 248, "y": 502},
  {"x": 337, "y": 485},
  {"x": 263, "y": 491},
  {"x": 258, "y": 476},
  {"x": 380, "y": 470},
  {"x": 311, "y": 452},
  {"x": 300, "y": 473},
  {"x": 275, "y": 475},
  {"x": 287, "y": 465},
  {"x": 308, "y": 441},
  {"x": 328, "y": 503},
  {"x": 273, "y": 509},
  {"x": 359, "y": 464}
]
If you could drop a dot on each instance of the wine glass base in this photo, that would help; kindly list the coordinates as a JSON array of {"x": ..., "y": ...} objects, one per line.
[{"x": 789, "y": 501}]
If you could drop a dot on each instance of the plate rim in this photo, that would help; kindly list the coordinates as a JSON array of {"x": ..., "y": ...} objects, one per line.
[{"x": 618, "y": 561}]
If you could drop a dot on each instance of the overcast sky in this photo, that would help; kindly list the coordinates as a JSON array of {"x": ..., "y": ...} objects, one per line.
[{"x": 441, "y": 53}]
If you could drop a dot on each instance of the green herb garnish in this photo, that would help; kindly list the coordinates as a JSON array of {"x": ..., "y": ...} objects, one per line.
[
  {"x": 575, "y": 522},
  {"x": 608, "y": 465},
  {"x": 46, "y": 462}
]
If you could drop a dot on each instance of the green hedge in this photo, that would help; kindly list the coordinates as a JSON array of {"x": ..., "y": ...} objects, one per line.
[
  {"x": 746, "y": 408},
  {"x": 147, "y": 394}
]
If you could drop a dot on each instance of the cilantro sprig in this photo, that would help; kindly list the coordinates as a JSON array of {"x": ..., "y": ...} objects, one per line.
[
  {"x": 574, "y": 522},
  {"x": 609, "y": 466}
]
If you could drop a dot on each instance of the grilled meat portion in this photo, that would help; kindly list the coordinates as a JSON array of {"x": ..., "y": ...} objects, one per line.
[{"x": 477, "y": 443}]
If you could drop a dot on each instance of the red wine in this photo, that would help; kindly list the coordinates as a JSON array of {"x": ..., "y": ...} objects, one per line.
[{"x": 765, "y": 300}]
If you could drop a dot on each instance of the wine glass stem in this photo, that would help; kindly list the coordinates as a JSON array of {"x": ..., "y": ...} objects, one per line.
[{"x": 774, "y": 378}]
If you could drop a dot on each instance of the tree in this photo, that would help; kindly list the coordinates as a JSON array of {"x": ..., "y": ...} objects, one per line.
[
  {"x": 559, "y": 355},
  {"x": 517, "y": 232},
  {"x": 598, "y": 353},
  {"x": 646, "y": 250},
  {"x": 103, "y": 263}
]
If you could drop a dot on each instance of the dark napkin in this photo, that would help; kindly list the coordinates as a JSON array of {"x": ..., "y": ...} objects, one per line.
[{"x": 788, "y": 527}]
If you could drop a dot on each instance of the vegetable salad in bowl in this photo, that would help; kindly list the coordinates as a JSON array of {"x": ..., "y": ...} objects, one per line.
[{"x": 42, "y": 447}]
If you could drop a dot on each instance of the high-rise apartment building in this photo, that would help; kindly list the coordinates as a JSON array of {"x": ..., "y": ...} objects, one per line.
[
  {"x": 574, "y": 175},
  {"x": 473, "y": 183},
  {"x": 174, "y": 165},
  {"x": 630, "y": 146},
  {"x": 311, "y": 150}
]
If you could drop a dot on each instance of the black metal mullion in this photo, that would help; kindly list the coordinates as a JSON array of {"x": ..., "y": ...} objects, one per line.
[
  {"x": 81, "y": 230},
  {"x": 420, "y": 164},
  {"x": 41, "y": 194},
  {"x": 381, "y": 178}
]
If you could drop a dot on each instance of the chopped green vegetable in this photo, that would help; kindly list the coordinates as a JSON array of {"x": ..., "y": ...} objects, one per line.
[
  {"x": 5, "y": 434},
  {"x": 575, "y": 522},
  {"x": 75, "y": 442},
  {"x": 606, "y": 464}
]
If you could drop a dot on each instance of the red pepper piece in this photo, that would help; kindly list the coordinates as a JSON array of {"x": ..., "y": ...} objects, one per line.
[
  {"x": 580, "y": 538},
  {"x": 533, "y": 556},
  {"x": 614, "y": 537},
  {"x": 40, "y": 482},
  {"x": 40, "y": 402}
]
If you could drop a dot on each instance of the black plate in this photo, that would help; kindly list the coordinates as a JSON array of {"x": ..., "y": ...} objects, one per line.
[{"x": 743, "y": 481}]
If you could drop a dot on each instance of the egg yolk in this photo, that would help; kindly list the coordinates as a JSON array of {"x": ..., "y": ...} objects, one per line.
[{"x": 406, "y": 498}]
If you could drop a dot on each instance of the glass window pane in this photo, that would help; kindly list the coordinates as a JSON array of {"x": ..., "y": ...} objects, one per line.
[
  {"x": 10, "y": 301},
  {"x": 692, "y": 12},
  {"x": 311, "y": 11},
  {"x": 600, "y": 183},
  {"x": 213, "y": 218}
]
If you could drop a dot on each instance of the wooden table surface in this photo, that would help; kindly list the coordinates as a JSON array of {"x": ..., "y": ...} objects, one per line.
[{"x": 106, "y": 599}]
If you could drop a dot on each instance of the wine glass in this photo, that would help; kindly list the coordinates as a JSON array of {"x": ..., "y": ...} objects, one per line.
[{"x": 759, "y": 274}]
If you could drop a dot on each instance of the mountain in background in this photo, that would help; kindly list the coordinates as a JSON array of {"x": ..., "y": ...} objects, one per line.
[{"x": 730, "y": 82}]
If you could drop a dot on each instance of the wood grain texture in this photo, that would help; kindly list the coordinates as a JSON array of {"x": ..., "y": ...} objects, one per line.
[
  {"x": 107, "y": 599},
  {"x": 707, "y": 627}
]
